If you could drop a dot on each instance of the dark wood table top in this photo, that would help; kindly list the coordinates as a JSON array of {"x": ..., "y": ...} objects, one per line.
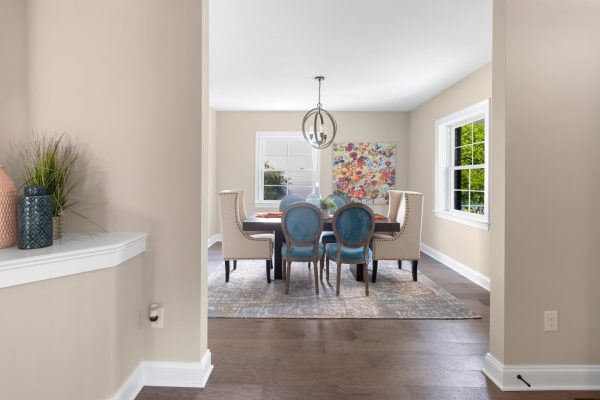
[{"x": 257, "y": 224}]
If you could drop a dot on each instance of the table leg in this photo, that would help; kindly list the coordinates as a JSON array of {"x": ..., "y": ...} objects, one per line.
[
  {"x": 357, "y": 271},
  {"x": 278, "y": 260}
]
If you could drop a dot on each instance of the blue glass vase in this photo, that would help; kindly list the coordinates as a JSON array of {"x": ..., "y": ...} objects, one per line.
[
  {"x": 35, "y": 218},
  {"x": 315, "y": 197}
]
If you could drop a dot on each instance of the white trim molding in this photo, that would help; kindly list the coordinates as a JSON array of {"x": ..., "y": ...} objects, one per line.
[
  {"x": 214, "y": 239},
  {"x": 464, "y": 270},
  {"x": 170, "y": 374},
  {"x": 444, "y": 165},
  {"x": 261, "y": 137},
  {"x": 455, "y": 217},
  {"x": 74, "y": 254},
  {"x": 542, "y": 377},
  {"x": 132, "y": 386}
]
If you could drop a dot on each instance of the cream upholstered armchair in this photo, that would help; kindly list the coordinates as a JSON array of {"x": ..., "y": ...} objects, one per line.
[
  {"x": 237, "y": 244},
  {"x": 394, "y": 197},
  {"x": 406, "y": 244}
]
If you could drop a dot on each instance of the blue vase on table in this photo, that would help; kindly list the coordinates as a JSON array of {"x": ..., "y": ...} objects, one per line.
[
  {"x": 315, "y": 197},
  {"x": 35, "y": 218}
]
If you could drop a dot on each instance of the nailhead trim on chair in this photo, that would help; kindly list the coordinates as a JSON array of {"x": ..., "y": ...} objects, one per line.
[
  {"x": 237, "y": 220},
  {"x": 399, "y": 235}
]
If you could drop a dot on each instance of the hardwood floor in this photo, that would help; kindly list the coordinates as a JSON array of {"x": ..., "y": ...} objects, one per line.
[{"x": 354, "y": 359}]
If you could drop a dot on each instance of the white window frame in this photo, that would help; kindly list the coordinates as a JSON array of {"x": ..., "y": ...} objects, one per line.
[
  {"x": 444, "y": 133},
  {"x": 259, "y": 168}
]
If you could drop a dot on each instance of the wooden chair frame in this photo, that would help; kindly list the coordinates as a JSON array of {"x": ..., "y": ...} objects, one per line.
[
  {"x": 290, "y": 242},
  {"x": 341, "y": 242}
]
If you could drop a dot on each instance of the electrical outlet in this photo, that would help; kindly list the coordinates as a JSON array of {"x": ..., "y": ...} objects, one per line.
[
  {"x": 156, "y": 315},
  {"x": 550, "y": 321}
]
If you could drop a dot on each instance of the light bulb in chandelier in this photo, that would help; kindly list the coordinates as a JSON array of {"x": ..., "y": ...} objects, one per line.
[{"x": 318, "y": 136}]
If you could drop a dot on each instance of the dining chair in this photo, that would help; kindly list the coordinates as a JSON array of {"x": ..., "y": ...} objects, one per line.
[
  {"x": 353, "y": 226},
  {"x": 236, "y": 243},
  {"x": 406, "y": 244},
  {"x": 340, "y": 201},
  {"x": 288, "y": 200},
  {"x": 243, "y": 217},
  {"x": 302, "y": 224}
]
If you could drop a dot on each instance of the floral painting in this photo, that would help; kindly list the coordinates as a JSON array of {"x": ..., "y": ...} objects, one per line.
[{"x": 364, "y": 171}]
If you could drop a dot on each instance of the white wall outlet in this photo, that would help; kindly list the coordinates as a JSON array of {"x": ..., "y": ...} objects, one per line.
[
  {"x": 156, "y": 315},
  {"x": 550, "y": 321}
]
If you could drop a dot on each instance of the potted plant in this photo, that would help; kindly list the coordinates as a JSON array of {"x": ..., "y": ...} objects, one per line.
[
  {"x": 326, "y": 205},
  {"x": 49, "y": 162}
]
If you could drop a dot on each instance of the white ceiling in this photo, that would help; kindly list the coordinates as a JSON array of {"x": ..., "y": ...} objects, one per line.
[{"x": 376, "y": 55}]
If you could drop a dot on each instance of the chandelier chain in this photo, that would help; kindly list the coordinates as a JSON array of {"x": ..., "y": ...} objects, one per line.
[{"x": 319, "y": 103}]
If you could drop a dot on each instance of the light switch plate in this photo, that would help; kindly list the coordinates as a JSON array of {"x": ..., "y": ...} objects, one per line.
[{"x": 550, "y": 321}]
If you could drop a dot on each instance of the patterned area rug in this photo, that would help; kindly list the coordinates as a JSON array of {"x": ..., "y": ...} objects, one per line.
[{"x": 393, "y": 296}]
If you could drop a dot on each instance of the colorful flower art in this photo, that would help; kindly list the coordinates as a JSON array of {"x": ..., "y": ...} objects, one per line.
[{"x": 364, "y": 171}]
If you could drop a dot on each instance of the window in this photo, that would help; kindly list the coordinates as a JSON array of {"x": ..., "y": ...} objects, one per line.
[
  {"x": 462, "y": 166},
  {"x": 285, "y": 164}
]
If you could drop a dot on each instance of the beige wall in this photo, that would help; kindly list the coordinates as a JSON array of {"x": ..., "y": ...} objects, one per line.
[
  {"x": 13, "y": 78},
  {"x": 125, "y": 80},
  {"x": 236, "y": 135},
  {"x": 552, "y": 217},
  {"x": 468, "y": 245},
  {"x": 498, "y": 181},
  {"x": 213, "y": 217},
  {"x": 86, "y": 326}
]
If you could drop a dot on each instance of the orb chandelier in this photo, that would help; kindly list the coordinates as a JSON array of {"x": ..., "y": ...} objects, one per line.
[{"x": 319, "y": 126}]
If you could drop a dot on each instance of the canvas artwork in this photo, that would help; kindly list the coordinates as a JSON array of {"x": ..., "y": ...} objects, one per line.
[{"x": 364, "y": 172}]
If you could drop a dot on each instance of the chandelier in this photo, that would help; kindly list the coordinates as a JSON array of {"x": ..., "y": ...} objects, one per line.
[{"x": 319, "y": 126}]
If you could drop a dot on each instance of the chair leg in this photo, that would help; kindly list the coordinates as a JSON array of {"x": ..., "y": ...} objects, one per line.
[
  {"x": 269, "y": 270},
  {"x": 399, "y": 264},
  {"x": 337, "y": 283},
  {"x": 374, "y": 276},
  {"x": 414, "y": 269},
  {"x": 283, "y": 271},
  {"x": 226, "y": 270},
  {"x": 316, "y": 276},
  {"x": 366, "y": 277},
  {"x": 321, "y": 266},
  {"x": 234, "y": 265},
  {"x": 288, "y": 265}
]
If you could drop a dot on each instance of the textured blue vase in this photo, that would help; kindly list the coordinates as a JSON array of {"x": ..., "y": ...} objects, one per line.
[{"x": 35, "y": 218}]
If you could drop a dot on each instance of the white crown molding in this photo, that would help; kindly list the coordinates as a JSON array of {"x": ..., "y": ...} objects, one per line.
[
  {"x": 214, "y": 239},
  {"x": 170, "y": 374},
  {"x": 466, "y": 271},
  {"x": 542, "y": 377},
  {"x": 74, "y": 254}
]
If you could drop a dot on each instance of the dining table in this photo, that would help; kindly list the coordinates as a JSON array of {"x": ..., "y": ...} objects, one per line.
[{"x": 271, "y": 223}]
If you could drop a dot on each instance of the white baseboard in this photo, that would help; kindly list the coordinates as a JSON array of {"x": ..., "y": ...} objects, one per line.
[
  {"x": 214, "y": 239},
  {"x": 467, "y": 272},
  {"x": 175, "y": 374},
  {"x": 132, "y": 385},
  {"x": 171, "y": 374},
  {"x": 542, "y": 377}
]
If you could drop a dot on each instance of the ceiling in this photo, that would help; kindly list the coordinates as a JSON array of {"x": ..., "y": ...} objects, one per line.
[{"x": 376, "y": 55}]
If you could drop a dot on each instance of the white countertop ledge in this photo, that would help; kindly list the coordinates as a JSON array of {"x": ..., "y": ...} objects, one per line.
[{"x": 73, "y": 254}]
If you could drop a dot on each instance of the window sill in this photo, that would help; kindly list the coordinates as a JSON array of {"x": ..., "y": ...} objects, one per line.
[
  {"x": 74, "y": 254},
  {"x": 476, "y": 223},
  {"x": 266, "y": 205}
]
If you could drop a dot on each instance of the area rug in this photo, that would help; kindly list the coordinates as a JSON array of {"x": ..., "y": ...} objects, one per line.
[{"x": 393, "y": 296}]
